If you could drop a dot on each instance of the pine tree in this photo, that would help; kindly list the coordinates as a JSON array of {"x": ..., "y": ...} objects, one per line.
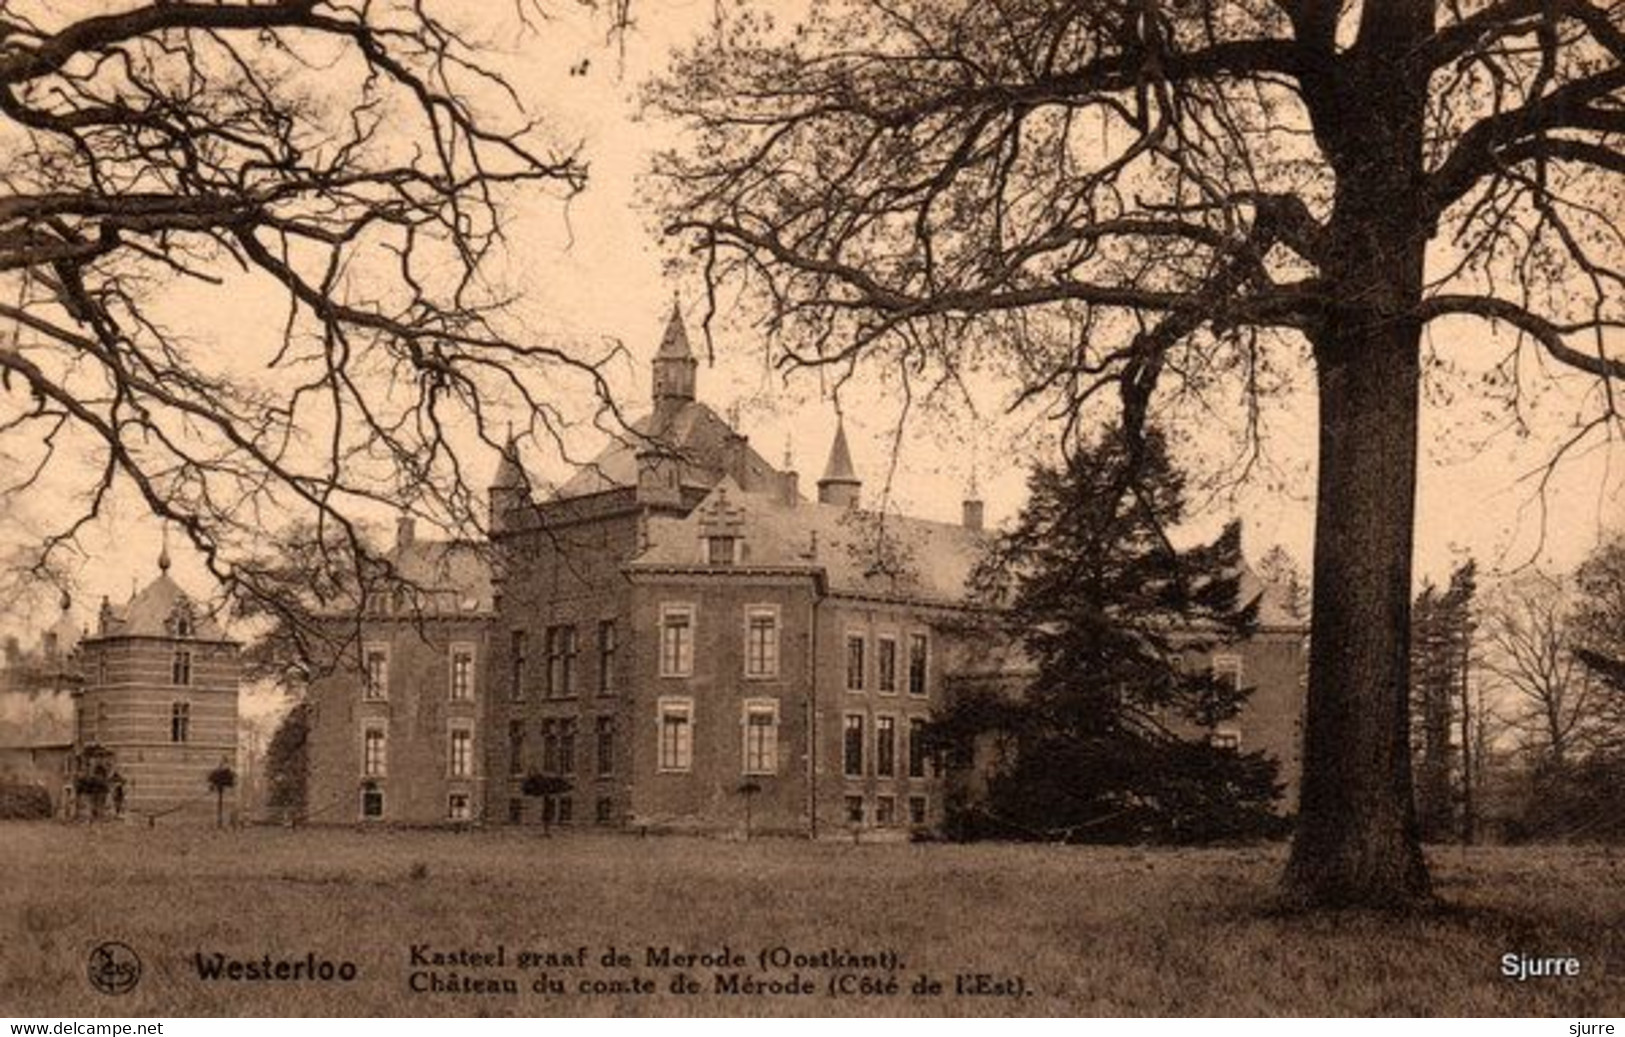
[
  {"x": 1110, "y": 742},
  {"x": 1441, "y": 634}
]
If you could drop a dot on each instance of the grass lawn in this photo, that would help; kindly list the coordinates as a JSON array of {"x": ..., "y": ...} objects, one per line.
[{"x": 1073, "y": 930}]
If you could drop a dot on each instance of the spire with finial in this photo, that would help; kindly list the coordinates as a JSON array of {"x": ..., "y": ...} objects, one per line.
[
  {"x": 971, "y": 507},
  {"x": 840, "y": 484},
  {"x": 163, "y": 553},
  {"x": 674, "y": 363}
]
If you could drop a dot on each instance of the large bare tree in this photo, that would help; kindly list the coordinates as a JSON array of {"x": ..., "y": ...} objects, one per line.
[
  {"x": 1139, "y": 198},
  {"x": 245, "y": 268}
]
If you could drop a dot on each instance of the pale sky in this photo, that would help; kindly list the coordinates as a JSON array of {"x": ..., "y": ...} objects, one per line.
[{"x": 594, "y": 272}]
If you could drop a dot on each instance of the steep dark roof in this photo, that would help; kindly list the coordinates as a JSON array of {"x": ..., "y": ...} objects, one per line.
[
  {"x": 152, "y": 610},
  {"x": 839, "y": 468},
  {"x": 693, "y": 431}
]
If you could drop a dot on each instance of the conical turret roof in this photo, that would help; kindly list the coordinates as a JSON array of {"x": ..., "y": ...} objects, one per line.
[
  {"x": 510, "y": 474},
  {"x": 839, "y": 468},
  {"x": 674, "y": 343}
]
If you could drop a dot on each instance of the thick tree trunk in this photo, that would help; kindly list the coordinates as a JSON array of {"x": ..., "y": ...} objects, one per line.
[{"x": 1357, "y": 842}]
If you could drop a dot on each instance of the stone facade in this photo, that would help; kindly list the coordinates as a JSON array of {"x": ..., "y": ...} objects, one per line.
[{"x": 677, "y": 638}]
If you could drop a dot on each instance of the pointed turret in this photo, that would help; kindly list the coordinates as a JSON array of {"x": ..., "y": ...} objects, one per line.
[
  {"x": 509, "y": 487},
  {"x": 840, "y": 484},
  {"x": 674, "y": 363}
]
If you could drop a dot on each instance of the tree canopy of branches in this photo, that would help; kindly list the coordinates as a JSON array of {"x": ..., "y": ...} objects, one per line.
[
  {"x": 1529, "y": 645},
  {"x": 1111, "y": 740},
  {"x": 346, "y": 167},
  {"x": 1138, "y": 199},
  {"x": 1541, "y": 653}
]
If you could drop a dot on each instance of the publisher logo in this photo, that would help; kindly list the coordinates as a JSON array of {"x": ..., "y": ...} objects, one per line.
[{"x": 114, "y": 968}]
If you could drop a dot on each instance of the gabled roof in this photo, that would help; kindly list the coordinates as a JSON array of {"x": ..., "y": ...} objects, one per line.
[
  {"x": 860, "y": 553},
  {"x": 693, "y": 432}
]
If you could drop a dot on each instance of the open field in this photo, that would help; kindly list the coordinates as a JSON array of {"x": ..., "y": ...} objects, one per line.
[{"x": 1087, "y": 930}]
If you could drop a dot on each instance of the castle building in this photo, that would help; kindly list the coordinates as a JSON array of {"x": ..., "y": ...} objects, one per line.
[
  {"x": 156, "y": 712},
  {"x": 674, "y": 637},
  {"x": 398, "y": 727}
]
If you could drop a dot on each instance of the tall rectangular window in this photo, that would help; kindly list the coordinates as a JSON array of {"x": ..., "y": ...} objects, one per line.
[
  {"x": 180, "y": 721},
  {"x": 567, "y": 746},
  {"x": 181, "y": 668},
  {"x": 372, "y": 803},
  {"x": 605, "y": 746},
  {"x": 885, "y": 746},
  {"x": 516, "y": 664},
  {"x": 550, "y": 746},
  {"x": 460, "y": 754},
  {"x": 606, "y": 657},
  {"x": 677, "y": 641},
  {"x": 516, "y": 747},
  {"x": 916, "y": 747},
  {"x": 676, "y": 750},
  {"x": 761, "y": 729},
  {"x": 852, "y": 746},
  {"x": 374, "y": 752},
  {"x": 561, "y": 661},
  {"x": 761, "y": 641},
  {"x": 376, "y": 662},
  {"x": 855, "y": 663},
  {"x": 886, "y": 665},
  {"x": 916, "y": 664},
  {"x": 462, "y": 673}
]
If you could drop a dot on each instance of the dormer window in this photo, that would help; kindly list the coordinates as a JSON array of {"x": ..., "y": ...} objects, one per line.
[
  {"x": 183, "y": 624},
  {"x": 720, "y": 550}
]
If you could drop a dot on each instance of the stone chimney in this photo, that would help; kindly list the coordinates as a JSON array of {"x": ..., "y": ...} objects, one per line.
[
  {"x": 405, "y": 533},
  {"x": 734, "y": 451},
  {"x": 971, "y": 514}
]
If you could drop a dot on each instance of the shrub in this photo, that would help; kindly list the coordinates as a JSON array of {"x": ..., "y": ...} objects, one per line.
[{"x": 24, "y": 802}]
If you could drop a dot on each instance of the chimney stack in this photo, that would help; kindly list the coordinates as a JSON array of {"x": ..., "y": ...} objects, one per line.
[
  {"x": 972, "y": 514},
  {"x": 405, "y": 532}
]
